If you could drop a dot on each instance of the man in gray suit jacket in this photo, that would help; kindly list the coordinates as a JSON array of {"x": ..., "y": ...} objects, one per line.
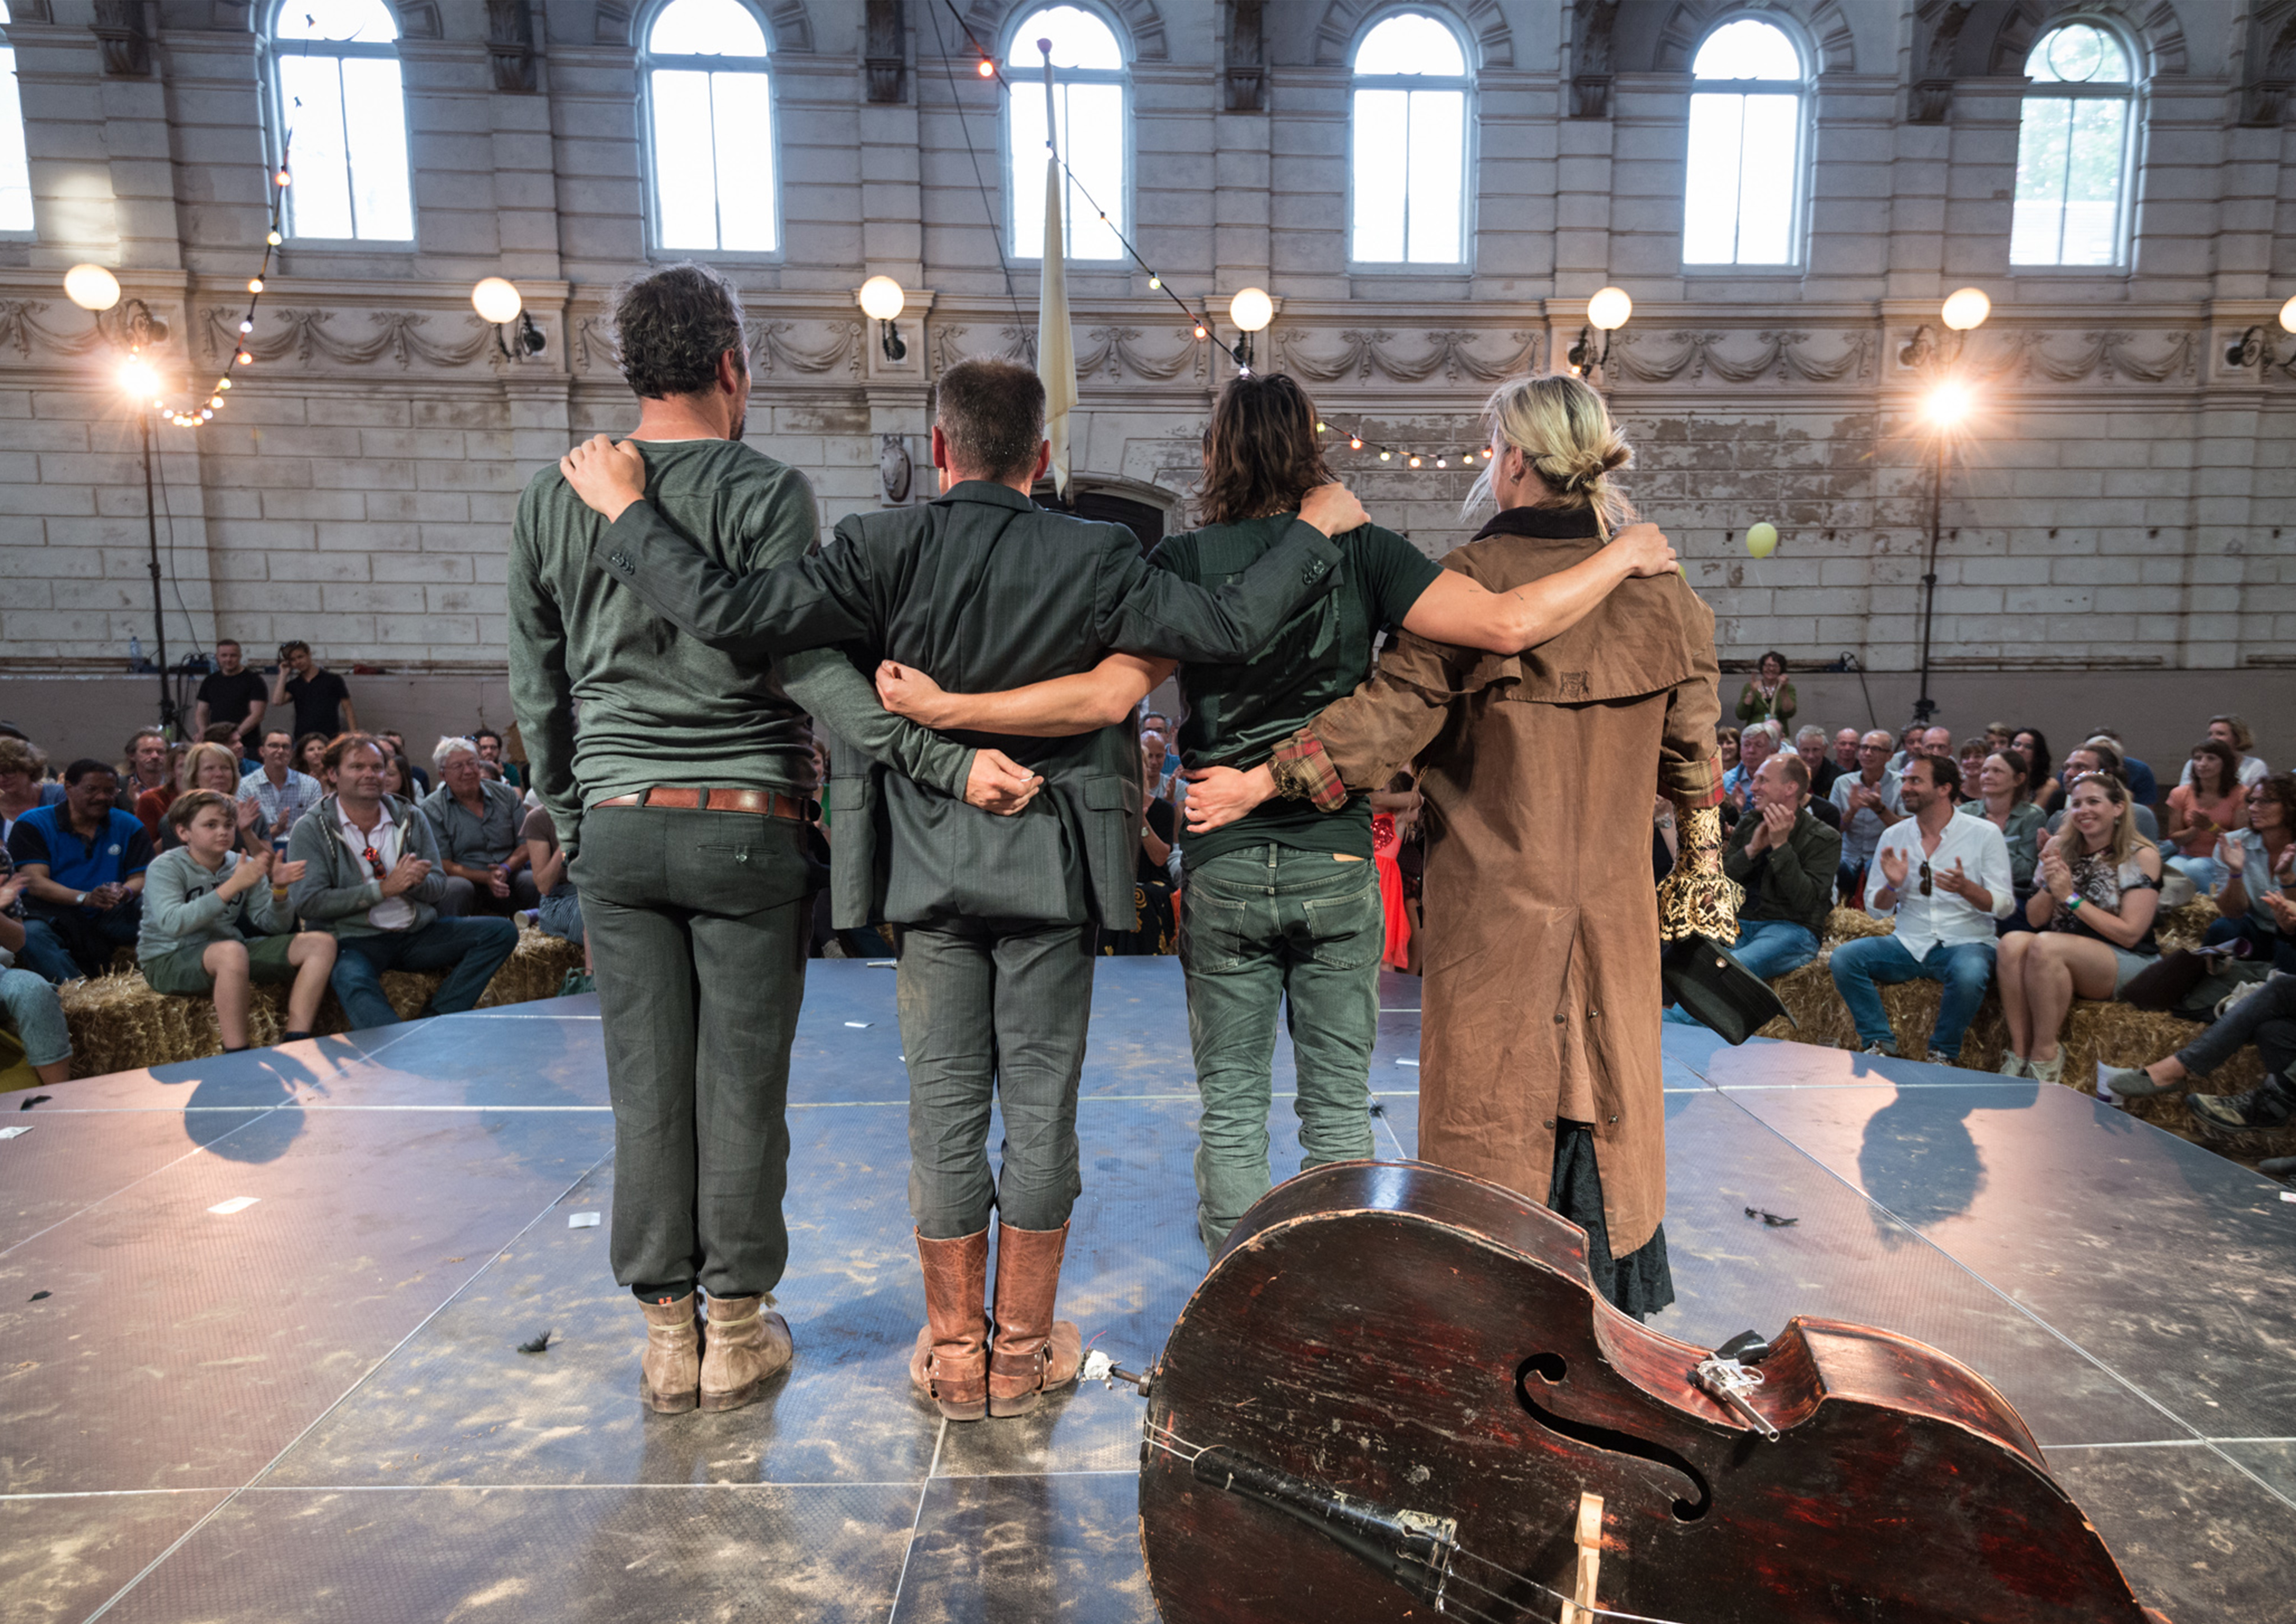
[{"x": 999, "y": 914}]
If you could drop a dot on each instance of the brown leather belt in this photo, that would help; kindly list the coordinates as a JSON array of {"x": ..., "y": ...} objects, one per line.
[{"x": 763, "y": 803}]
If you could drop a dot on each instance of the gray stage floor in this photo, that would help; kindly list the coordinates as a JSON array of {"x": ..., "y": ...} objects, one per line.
[{"x": 312, "y": 1407}]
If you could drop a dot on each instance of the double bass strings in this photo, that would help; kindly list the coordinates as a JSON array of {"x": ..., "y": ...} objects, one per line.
[{"x": 1163, "y": 1438}]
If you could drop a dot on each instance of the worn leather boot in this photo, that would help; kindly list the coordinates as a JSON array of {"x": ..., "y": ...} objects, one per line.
[
  {"x": 1035, "y": 1354},
  {"x": 950, "y": 1364},
  {"x": 670, "y": 1372},
  {"x": 745, "y": 1345}
]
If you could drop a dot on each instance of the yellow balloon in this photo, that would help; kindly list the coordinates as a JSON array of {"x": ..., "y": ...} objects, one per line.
[{"x": 1762, "y": 539}]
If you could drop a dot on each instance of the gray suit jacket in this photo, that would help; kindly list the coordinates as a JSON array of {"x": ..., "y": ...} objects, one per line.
[{"x": 980, "y": 590}]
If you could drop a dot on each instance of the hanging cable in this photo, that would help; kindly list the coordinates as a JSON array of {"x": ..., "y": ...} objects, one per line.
[{"x": 996, "y": 225}]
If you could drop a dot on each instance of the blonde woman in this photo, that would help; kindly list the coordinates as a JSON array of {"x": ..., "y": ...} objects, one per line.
[
  {"x": 1538, "y": 1053},
  {"x": 2092, "y": 917},
  {"x": 210, "y": 767}
]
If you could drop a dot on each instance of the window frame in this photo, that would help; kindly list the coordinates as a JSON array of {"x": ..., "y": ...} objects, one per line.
[
  {"x": 1121, "y": 78},
  {"x": 647, "y": 64},
  {"x": 2130, "y": 92},
  {"x": 1469, "y": 144},
  {"x": 275, "y": 134},
  {"x": 1804, "y": 90}
]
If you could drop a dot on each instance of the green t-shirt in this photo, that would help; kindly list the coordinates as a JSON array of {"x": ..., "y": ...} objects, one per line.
[{"x": 1238, "y": 714}]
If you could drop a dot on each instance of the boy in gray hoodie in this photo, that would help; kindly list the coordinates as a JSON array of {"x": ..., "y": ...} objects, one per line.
[{"x": 215, "y": 920}]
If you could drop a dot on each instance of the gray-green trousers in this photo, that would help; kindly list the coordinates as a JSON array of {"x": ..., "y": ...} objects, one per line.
[{"x": 1264, "y": 926}]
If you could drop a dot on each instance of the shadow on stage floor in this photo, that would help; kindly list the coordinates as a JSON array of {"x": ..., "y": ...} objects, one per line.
[{"x": 312, "y": 1406}]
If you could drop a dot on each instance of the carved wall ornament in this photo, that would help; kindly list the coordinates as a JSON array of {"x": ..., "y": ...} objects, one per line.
[
  {"x": 1368, "y": 350},
  {"x": 510, "y": 46},
  {"x": 1019, "y": 344},
  {"x": 1820, "y": 22},
  {"x": 20, "y": 324},
  {"x": 1344, "y": 21},
  {"x": 2017, "y": 356},
  {"x": 888, "y": 28},
  {"x": 304, "y": 334},
  {"x": 1783, "y": 356},
  {"x": 1136, "y": 18},
  {"x": 2154, "y": 22},
  {"x": 769, "y": 347},
  {"x": 118, "y": 28},
  {"x": 1111, "y": 351}
]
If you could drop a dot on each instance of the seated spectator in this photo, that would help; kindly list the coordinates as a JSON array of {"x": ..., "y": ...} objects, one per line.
[
  {"x": 492, "y": 762},
  {"x": 281, "y": 794},
  {"x": 215, "y": 920},
  {"x": 1756, "y": 745},
  {"x": 1999, "y": 736},
  {"x": 311, "y": 758},
  {"x": 559, "y": 914},
  {"x": 1845, "y": 754},
  {"x": 2232, "y": 733},
  {"x": 476, "y": 820},
  {"x": 2098, "y": 756},
  {"x": 2265, "y": 1016},
  {"x": 1768, "y": 696},
  {"x": 24, "y": 783},
  {"x": 1970, "y": 762},
  {"x": 1726, "y": 747},
  {"x": 2208, "y": 804},
  {"x": 29, "y": 1003},
  {"x": 1909, "y": 745},
  {"x": 2002, "y": 800},
  {"x": 2143, "y": 787},
  {"x": 2048, "y": 793},
  {"x": 233, "y": 698},
  {"x": 2092, "y": 923},
  {"x": 146, "y": 765},
  {"x": 371, "y": 878},
  {"x": 397, "y": 778},
  {"x": 1809, "y": 745},
  {"x": 1786, "y": 859},
  {"x": 1945, "y": 879},
  {"x": 2259, "y": 861},
  {"x": 214, "y": 767},
  {"x": 398, "y": 743},
  {"x": 85, "y": 861},
  {"x": 1870, "y": 801}
]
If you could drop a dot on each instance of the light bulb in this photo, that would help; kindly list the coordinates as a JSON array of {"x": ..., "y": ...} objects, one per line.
[
  {"x": 1199, "y": 330},
  {"x": 1965, "y": 307},
  {"x": 1439, "y": 463},
  {"x": 987, "y": 69},
  {"x": 280, "y": 178},
  {"x": 244, "y": 359},
  {"x": 1321, "y": 427},
  {"x": 1155, "y": 282},
  {"x": 497, "y": 300},
  {"x": 1253, "y": 311},
  {"x": 1355, "y": 444},
  {"x": 1415, "y": 462},
  {"x": 1385, "y": 455},
  {"x": 1947, "y": 405},
  {"x": 2288, "y": 316},
  {"x": 91, "y": 287},
  {"x": 255, "y": 284},
  {"x": 1609, "y": 308},
  {"x": 206, "y": 416},
  {"x": 1486, "y": 454},
  {"x": 272, "y": 237},
  {"x": 882, "y": 298}
]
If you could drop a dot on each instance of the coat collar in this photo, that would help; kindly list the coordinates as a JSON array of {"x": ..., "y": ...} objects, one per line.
[
  {"x": 986, "y": 491},
  {"x": 1544, "y": 524}
]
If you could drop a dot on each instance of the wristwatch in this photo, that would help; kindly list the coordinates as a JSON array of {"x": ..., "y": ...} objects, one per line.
[{"x": 81, "y": 900}]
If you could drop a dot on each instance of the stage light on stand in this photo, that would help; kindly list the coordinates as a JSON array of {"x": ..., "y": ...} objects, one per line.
[
  {"x": 92, "y": 287},
  {"x": 499, "y": 303},
  {"x": 882, "y": 300}
]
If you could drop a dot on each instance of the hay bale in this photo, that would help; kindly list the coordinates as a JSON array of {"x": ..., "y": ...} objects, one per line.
[{"x": 2183, "y": 927}]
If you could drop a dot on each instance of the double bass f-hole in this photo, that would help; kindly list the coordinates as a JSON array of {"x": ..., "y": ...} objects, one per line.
[{"x": 1543, "y": 1371}]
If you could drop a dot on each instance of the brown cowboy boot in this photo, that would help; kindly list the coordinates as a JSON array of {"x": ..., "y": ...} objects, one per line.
[
  {"x": 1035, "y": 1353},
  {"x": 671, "y": 1369},
  {"x": 950, "y": 1364},
  {"x": 745, "y": 1345}
]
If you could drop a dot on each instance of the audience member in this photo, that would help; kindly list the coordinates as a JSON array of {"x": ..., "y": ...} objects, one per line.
[
  {"x": 2048, "y": 794},
  {"x": 398, "y": 743},
  {"x": 494, "y": 762},
  {"x": 1999, "y": 736},
  {"x": 1809, "y": 745},
  {"x": 1845, "y": 753},
  {"x": 232, "y": 696},
  {"x": 215, "y": 920},
  {"x": 145, "y": 765},
  {"x": 280, "y": 794},
  {"x": 2096, "y": 756},
  {"x": 559, "y": 913},
  {"x": 1909, "y": 745},
  {"x": 83, "y": 859},
  {"x": 2143, "y": 787},
  {"x": 1756, "y": 745},
  {"x": 1726, "y": 747},
  {"x": 2266, "y": 1017},
  {"x": 1154, "y": 893},
  {"x": 2259, "y": 861},
  {"x": 476, "y": 821},
  {"x": 1786, "y": 859},
  {"x": 321, "y": 699},
  {"x": 371, "y": 879},
  {"x": 24, "y": 783},
  {"x": 1768, "y": 696},
  {"x": 311, "y": 758},
  {"x": 2003, "y": 799},
  {"x": 214, "y": 767},
  {"x": 1870, "y": 800},
  {"x": 2232, "y": 731},
  {"x": 1945, "y": 914},
  {"x": 1970, "y": 761},
  {"x": 2092, "y": 923},
  {"x": 29, "y": 1003},
  {"x": 2206, "y": 804}
]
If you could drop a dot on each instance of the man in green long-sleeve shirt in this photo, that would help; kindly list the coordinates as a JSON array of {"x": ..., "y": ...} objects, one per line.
[{"x": 679, "y": 792}]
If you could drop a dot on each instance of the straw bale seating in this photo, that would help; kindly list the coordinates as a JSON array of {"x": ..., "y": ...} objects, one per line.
[
  {"x": 2119, "y": 1033},
  {"x": 119, "y": 1024}
]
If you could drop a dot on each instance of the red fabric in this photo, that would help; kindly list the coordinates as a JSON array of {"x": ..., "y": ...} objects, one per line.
[
  {"x": 1384, "y": 845},
  {"x": 152, "y": 809}
]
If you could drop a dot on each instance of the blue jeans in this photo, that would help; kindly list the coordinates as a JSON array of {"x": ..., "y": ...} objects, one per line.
[
  {"x": 2206, "y": 872},
  {"x": 63, "y": 947},
  {"x": 1966, "y": 969},
  {"x": 1769, "y": 947},
  {"x": 31, "y": 1007},
  {"x": 469, "y": 950}
]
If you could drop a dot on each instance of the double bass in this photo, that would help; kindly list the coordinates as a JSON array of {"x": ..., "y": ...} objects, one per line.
[{"x": 1397, "y": 1395}]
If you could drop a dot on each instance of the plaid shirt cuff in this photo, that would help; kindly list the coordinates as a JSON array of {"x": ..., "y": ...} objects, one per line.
[
  {"x": 1691, "y": 784},
  {"x": 1303, "y": 772}
]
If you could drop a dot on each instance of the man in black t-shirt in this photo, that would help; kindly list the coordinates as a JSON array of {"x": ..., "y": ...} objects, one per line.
[
  {"x": 321, "y": 698},
  {"x": 232, "y": 695}
]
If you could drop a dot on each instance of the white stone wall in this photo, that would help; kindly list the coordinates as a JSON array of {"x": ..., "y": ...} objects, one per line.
[{"x": 2118, "y": 506}]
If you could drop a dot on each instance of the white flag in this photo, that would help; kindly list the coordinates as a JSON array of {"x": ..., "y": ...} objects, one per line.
[{"x": 1055, "y": 342}]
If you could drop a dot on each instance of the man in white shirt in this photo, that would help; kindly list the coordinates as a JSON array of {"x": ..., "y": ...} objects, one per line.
[
  {"x": 1947, "y": 880},
  {"x": 1869, "y": 802},
  {"x": 283, "y": 793}
]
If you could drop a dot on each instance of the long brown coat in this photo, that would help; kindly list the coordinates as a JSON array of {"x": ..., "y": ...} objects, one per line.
[{"x": 1541, "y": 944}]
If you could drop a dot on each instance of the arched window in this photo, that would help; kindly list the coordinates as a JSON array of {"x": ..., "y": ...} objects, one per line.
[
  {"x": 15, "y": 168},
  {"x": 1742, "y": 185},
  {"x": 1409, "y": 170},
  {"x": 710, "y": 99},
  {"x": 343, "y": 120},
  {"x": 2072, "y": 150},
  {"x": 1088, "y": 102}
]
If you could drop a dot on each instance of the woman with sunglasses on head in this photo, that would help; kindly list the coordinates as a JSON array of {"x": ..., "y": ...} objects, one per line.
[{"x": 2092, "y": 919}]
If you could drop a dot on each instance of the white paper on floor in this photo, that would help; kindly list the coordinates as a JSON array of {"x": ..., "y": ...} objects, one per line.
[
  {"x": 11, "y": 1133},
  {"x": 581, "y": 1220},
  {"x": 1412, "y": 1063},
  {"x": 237, "y": 1203}
]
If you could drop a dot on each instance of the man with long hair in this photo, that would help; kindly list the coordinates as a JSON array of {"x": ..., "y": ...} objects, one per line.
[
  {"x": 998, "y": 916},
  {"x": 1283, "y": 904}
]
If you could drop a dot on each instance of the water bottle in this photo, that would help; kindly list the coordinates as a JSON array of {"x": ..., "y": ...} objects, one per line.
[{"x": 134, "y": 652}]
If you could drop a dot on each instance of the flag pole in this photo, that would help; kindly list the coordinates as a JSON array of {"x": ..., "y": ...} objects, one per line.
[{"x": 1055, "y": 337}]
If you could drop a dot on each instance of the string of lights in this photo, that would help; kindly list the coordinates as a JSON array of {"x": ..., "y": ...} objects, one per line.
[{"x": 241, "y": 356}]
